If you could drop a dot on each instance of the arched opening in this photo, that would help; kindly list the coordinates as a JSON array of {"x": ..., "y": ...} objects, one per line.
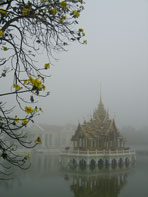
[
  {"x": 106, "y": 163},
  {"x": 100, "y": 163},
  {"x": 73, "y": 164},
  {"x": 120, "y": 163},
  {"x": 82, "y": 164},
  {"x": 92, "y": 164},
  {"x": 114, "y": 163},
  {"x": 126, "y": 162}
]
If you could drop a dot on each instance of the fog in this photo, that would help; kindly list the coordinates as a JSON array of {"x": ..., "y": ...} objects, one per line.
[{"x": 115, "y": 57}]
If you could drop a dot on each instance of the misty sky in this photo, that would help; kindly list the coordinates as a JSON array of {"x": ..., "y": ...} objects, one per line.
[{"x": 116, "y": 56}]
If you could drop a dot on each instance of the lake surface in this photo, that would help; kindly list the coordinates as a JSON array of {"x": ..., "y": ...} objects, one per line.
[{"x": 46, "y": 178}]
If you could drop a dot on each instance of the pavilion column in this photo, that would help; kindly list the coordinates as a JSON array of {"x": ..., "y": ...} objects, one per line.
[
  {"x": 79, "y": 143},
  {"x": 98, "y": 142},
  {"x": 108, "y": 143},
  {"x": 94, "y": 143},
  {"x": 120, "y": 143},
  {"x": 116, "y": 143},
  {"x": 113, "y": 143},
  {"x": 104, "y": 145},
  {"x": 85, "y": 143},
  {"x": 89, "y": 143}
]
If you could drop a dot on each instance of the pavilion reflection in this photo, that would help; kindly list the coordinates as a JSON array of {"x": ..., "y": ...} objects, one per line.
[{"x": 105, "y": 184}]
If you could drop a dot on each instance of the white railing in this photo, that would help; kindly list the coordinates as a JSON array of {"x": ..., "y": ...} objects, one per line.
[{"x": 104, "y": 152}]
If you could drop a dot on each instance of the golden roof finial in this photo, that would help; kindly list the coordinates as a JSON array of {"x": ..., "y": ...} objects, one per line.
[{"x": 100, "y": 92}]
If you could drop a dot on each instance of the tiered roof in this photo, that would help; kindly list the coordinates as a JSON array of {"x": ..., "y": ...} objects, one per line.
[{"x": 99, "y": 125}]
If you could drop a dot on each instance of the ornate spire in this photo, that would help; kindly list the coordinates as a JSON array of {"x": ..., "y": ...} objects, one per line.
[
  {"x": 100, "y": 88},
  {"x": 100, "y": 113},
  {"x": 101, "y": 105},
  {"x": 101, "y": 110},
  {"x": 113, "y": 126}
]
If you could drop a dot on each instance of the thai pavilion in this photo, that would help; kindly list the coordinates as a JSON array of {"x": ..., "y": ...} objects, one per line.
[
  {"x": 97, "y": 142},
  {"x": 100, "y": 133}
]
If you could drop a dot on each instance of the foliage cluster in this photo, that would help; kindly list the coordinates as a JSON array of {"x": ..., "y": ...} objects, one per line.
[{"x": 27, "y": 29}]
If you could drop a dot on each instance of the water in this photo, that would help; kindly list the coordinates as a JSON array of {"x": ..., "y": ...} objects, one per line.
[{"x": 46, "y": 178}]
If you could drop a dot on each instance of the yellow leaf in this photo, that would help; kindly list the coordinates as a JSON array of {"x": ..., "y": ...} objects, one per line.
[
  {"x": 61, "y": 21},
  {"x": 28, "y": 110},
  {"x": 24, "y": 122},
  {"x": 25, "y": 81},
  {"x": 43, "y": 87},
  {"x": 31, "y": 80},
  {"x": 46, "y": 66},
  {"x": 16, "y": 86},
  {"x": 53, "y": 11},
  {"x": 81, "y": 30},
  {"x": 38, "y": 140},
  {"x": 25, "y": 11},
  {"x": 5, "y": 12},
  {"x": 76, "y": 13},
  {"x": 40, "y": 109},
  {"x": 28, "y": 155},
  {"x": 16, "y": 119},
  {"x": 84, "y": 41},
  {"x": 4, "y": 48},
  {"x": 83, "y": 34},
  {"x": 36, "y": 108},
  {"x": 37, "y": 83},
  {"x": 1, "y": 33},
  {"x": 64, "y": 17},
  {"x": 63, "y": 4}
]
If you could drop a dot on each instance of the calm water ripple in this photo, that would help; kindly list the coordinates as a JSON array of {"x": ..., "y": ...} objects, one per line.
[{"x": 46, "y": 178}]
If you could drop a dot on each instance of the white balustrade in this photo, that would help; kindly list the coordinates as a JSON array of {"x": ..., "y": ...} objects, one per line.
[{"x": 97, "y": 152}]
